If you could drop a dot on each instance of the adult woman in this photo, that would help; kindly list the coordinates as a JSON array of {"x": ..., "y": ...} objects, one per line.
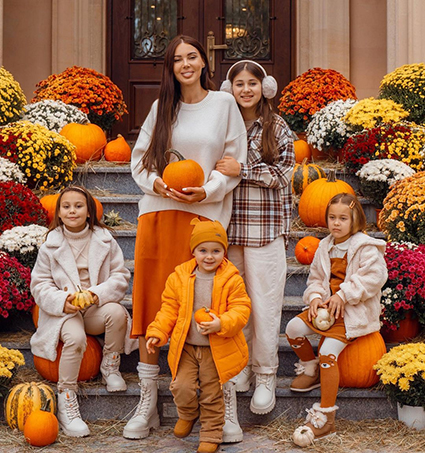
[{"x": 204, "y": 125}]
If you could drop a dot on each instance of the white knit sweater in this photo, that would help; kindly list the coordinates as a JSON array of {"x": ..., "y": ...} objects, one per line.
[{"x": 205, "y": 132}]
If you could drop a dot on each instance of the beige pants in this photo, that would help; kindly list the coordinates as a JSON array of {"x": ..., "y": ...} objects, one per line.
[{"x": 110, "y": 319}]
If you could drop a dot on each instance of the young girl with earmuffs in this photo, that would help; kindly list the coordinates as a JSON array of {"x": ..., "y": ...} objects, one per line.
[{"x": 258, "y": 232}]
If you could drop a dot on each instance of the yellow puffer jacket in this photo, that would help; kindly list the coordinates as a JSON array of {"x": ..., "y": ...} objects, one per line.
[{"x": 229, "y": 300}]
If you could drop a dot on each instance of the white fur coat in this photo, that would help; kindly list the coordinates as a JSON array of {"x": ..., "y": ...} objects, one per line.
[{"x": 55, "y": 275}]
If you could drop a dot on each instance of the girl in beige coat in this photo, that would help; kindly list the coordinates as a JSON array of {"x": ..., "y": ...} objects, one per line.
[
  {"x": 79, "y": 253},
  {"x": 345, "y": 281}
]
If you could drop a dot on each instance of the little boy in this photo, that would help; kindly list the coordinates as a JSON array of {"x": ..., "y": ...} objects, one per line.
[{"x": 208, "y": 354}]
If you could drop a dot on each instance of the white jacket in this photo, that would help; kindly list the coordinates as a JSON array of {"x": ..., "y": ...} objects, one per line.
[
  {"x": 55, "y": 275},
  {"x": 361, "y": 290}
]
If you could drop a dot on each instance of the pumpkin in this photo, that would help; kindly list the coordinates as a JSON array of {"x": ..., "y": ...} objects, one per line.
[
  {"x": 316, "y": 196},
  {"x": 303, "y": 436},
  {"x": 304, "y": 174},
  {"x": 35, "y": 312},
  {"x": 183, "y": 173},
  {"x": 41, "y": 427},
  {"x": 25, "y": 398},
  {"x": 305, "y": 249},
  {"x": 302, "y": 150},
  {"x": 357, "y": 359},
  {"x": 117, "y": 150},
  {"x": 323, "y": 320},
  {"x": 82, "y": 299},
  {"x": 90, "y": 365},
  {"x": 89, "y": 140},
  {"x": 203, "y": 315},
  {"x": 49, "y": 204}
]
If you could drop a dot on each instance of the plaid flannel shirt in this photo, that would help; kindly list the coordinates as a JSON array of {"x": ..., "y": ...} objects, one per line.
[{"x": 262, "y": 202}]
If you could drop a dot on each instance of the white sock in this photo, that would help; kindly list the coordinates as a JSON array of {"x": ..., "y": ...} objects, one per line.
[{"x": 147, "y": 371}]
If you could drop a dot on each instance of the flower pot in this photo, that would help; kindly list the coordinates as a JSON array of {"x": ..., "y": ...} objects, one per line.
[
  {"x": 315, "y": 153},
  {"x": 409, "y": 328},
  {"x": 412, "y": 416},
  {"x": 378, "y": 211}
]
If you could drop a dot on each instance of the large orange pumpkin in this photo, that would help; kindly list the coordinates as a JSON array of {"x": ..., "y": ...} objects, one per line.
[
  {"x": 316, "y": 196},
  {"x": 306, "y": 248},
  {"x": 183, "y": 173},
  {"x": 357, "y": 359},
  {"x": 89, "y": 368},
  {"x": 117, "y": 150},
  {"x": 89, "y": 140},
  {"x": 302, "y": 150},
  {"x": 304, "y": 174},
  {"x": 41, "y": 427},
  {"x": 25, "y": 398},
  {"x": 49, "y": 204}
]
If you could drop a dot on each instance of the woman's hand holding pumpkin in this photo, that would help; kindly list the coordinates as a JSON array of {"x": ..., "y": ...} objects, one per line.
[
  {"x": 190, "y": 195},
  {"x": 150, "y": 344},
  {"x": 335, "y": 305},
  {"x": 161, "y": 188},
  {"x": 68, "y": 308},
  {"x": 95, "y": 298},
  {"x": 210, "y": 326},
  {"x": 228, "y": 166}
]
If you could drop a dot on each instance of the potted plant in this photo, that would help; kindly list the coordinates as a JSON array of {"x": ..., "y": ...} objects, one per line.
[
  {"x": 310, "y": 92},
  {"x": 12, "y": 98},
  {"x": 402, "y": 373},
  {"x": 10, "y": 360},
  {"x": 377, "y": 176},
  {"x": 10, "y": 171},
  {"x": 403, "y": 295},
  {"x": 406, "y": 86},
  {"x": 327, "y": 131}
]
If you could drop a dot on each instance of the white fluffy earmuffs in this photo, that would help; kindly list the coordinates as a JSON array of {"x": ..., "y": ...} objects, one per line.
[{"x": 268, "y": 85}]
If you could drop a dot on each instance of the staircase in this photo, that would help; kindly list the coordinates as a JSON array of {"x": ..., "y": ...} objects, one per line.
[{"x": 115, "y": 188}]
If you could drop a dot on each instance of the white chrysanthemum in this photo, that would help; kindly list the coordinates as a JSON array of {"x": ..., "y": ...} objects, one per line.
[
  {"x": 386, "y": 170},
  {"x": 24, "y": 239},
  {"x": 11, "y": 172}
]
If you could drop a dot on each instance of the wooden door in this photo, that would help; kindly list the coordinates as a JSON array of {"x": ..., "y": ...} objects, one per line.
[{"x": 139, "y": 31}]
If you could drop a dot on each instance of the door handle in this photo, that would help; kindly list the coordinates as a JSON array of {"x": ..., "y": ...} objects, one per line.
[{"x": 211, "y": 48}]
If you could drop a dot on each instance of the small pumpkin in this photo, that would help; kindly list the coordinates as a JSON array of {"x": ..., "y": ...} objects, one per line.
[
  {"x": 25, "y": 398},
  {"x": 304, "y": 174},
  {"x": 305, "y": 249},
  {"x": 90, "y": 365},
  {"x": 203, "y": 315},
  {"x": 82, "y": 299},
  {"x": 41, "y": 427},
  {"x": 89, "y": 140},
  {"x": 183, "y": 173},
  {"x": 117, "y": 150},
  {"x": 302, "y": 150},
  {"x": 323, "y": 320},
  {"x": 316, "y": 196},
  {"x": 303, "y": 436}
]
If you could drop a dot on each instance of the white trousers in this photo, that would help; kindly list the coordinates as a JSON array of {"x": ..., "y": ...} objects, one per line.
[{"x": 264, "y": 272}]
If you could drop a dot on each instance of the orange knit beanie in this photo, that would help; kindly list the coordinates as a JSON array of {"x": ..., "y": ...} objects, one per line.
[{"x": 207, "y": 231}]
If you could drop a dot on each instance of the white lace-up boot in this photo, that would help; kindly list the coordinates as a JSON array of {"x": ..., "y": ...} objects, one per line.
[
  {"x": 69, "y": 416},
  {"x": 111, "y": 375},
  {"x": 232, "y": 432},
  {"x": 146, "y": 415},
  {"x": 264, "y": 399},
  {"x": 244, "y": 379}
]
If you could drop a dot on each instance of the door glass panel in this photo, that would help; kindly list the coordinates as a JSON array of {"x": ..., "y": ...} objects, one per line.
[
  {"x": 154, "y": 25},
  {"x": 247, "y": 29}
]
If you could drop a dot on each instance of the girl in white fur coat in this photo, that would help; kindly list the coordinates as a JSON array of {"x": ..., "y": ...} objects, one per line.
[
  {"x": 346, "y": 277},
  {"x": 79, "y": 253}
]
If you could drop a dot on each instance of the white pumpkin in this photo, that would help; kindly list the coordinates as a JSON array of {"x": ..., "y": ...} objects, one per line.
[
  {"x": 323, "y": 320},
  {"x": 303, "y": 436}
]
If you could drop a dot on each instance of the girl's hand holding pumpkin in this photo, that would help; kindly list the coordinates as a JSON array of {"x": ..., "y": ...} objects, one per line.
[
  {"x": 208, "y": 327},
  {"x": 190, "y": 195},
  {"x": 228, "y": 166},
  {"x": 68, "y": 308},
  {"x": 314, "y": 305},
  {"x": 95, "y": 298},
  {"x": 150, "y": 344},
  {"x": 335, "y": 305}
]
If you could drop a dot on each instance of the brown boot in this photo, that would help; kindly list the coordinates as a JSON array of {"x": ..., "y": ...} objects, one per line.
[
  {"x": 207, "y": 447},
  {"x": 320, "y": 424},
  {"x": 308, "y": 376},
  {"x": 183, "y": 427}
]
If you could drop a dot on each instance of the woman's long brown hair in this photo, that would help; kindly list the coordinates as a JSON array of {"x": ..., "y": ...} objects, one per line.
[
  {"x": 264, "y": 109},
  {"x": 168, "y": 104}
]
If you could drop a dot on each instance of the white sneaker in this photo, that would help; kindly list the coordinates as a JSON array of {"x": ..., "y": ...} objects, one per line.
[
  {"x": 264, "y": 399},
  {"x": 111, "y": 375},
  {"x": 146, "y": 415},
  {"x": 244, "y": 379},
  {"x": 69, "y": 416},
  {"x": 232, "y": 432}
]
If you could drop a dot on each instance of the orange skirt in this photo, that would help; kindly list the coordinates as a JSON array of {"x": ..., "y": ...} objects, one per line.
[
  {"x": 337, "y": 331},
  {"x": 162, "y": 243}
]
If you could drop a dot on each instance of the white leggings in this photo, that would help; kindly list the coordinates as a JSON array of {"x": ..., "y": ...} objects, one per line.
[{"x": 296, "y": 327}]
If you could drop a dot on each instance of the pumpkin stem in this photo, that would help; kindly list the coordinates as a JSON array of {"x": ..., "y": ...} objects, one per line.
[
  {"x": 175, "y": 152},
  {"x": 304, "y": 161},
  {"x": 207, "y": 310},
  {"x": 332, "y": 175},
  {"x": 79, "y": 289}
]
